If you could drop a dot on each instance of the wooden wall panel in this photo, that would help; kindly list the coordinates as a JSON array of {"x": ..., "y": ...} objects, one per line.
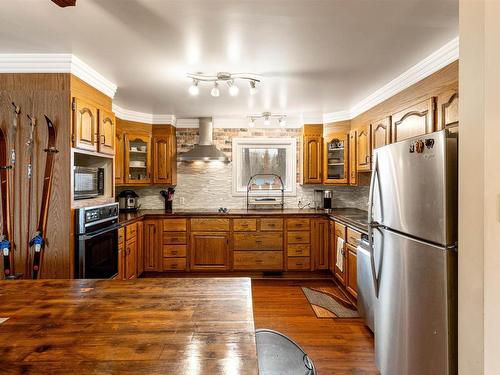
[{"x": 39, "y": 95}]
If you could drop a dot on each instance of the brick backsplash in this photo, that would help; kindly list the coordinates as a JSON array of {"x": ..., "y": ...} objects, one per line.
[{"x": 208, "y": 185}]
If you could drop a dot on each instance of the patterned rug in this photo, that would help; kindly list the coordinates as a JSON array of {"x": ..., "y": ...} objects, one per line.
[{"x": 328, "y": 303}]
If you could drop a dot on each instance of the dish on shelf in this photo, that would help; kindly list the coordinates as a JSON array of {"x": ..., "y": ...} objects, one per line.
[{"x": 137, "y": 164}]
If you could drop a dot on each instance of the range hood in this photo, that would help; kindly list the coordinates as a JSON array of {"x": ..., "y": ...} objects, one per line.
[{"x": 204, "y": 150}]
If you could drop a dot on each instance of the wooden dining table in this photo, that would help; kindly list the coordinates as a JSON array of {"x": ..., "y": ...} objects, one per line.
[{"x": 144, "y": 326}]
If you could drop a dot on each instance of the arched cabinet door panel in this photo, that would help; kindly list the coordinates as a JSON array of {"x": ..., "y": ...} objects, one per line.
[
  {"x": 106, "y": 132},
  {"x": 364, "y": 149},
  {"x": 413, "y": 121},
  {"x": 84, "y": 125},
  {"x": 336, "y": 159}
]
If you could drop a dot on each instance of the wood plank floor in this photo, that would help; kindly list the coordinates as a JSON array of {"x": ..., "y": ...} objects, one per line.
[{"x": 336, "y": 346}]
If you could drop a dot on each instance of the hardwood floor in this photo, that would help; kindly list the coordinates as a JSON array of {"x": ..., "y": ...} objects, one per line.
[{"x": 336, "y": 346}]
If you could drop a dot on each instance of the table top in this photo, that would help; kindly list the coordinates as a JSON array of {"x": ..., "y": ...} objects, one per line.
[{"x": 145, "y": 326}]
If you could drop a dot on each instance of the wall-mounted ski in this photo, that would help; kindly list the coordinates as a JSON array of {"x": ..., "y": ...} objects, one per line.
[
  {"x": 5, "y": 237},
  {"x": 16, "y": 111},
  {"x": 30, "y": 144},
  {"x": 38, "y": 241}
]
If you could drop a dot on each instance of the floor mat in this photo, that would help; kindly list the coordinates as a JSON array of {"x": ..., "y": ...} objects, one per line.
[{"x": 329, "y": 304}]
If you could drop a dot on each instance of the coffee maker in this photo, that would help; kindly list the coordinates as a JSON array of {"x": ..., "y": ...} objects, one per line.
[
  {"x": 327, "y": 199},
  {"x": 323, "y": 199}
]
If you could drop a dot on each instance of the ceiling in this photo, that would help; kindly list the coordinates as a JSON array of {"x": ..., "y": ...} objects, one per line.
[{"x": 314, "y": 56}]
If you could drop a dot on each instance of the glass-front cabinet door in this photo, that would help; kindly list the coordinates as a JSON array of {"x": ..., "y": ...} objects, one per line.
[
  {"x": 335, "y": 161},
  {"x": 137, "y": 159}
]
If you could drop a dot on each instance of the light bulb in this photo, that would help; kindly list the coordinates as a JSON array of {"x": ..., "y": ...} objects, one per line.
[
  {"x": 251, "y": 123},
  {"x": 253, "y": 88},
  {"x": 215, "y": 90},
  {"x": 233, "y": 89},
  {"x": 194, "y": 89},
  {"x": 282, "y": 122}
]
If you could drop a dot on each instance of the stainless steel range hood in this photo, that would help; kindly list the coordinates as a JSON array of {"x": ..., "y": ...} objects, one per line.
[{"x": 204, "y": 150}]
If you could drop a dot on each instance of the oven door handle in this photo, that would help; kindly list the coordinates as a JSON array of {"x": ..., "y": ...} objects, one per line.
[{"x": 91, "y": 235}]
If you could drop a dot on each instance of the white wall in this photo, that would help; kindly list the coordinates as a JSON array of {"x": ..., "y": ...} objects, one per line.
[{"x": 479, "y": 197}]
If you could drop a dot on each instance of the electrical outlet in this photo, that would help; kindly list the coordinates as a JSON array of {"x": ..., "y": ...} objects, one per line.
[{"x": 182, "y": 201}]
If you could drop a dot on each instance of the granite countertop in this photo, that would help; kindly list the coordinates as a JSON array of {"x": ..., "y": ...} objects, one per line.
[{"x": 350, "y": 216}]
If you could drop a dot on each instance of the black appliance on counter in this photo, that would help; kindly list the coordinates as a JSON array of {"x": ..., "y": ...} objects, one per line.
[
  {"x": 88, "y": 182},
  {"x": 96, "y": 251},
  {"x": 168, "y": 195},
  {"x": 127, "y": 200}
]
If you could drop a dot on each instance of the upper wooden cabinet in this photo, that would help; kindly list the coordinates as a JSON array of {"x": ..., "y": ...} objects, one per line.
[
  {"x": 363, "y": 149},
  {"x": 106, "y": 132},
  {"x": 414, "y": 121},
  {"x": 448, "y": 110},
  {"x": 335, "y": 159},
  {"x": 164, "y": 156},
  {"x": 137, "y": 159},
  {"x": 381, "y": 132},
  {"x": 353, "y": 172},
  {"x": 119, "y": 157},
  {"x": 84, "y": 125},
  {"x": 312, "y": 144}
]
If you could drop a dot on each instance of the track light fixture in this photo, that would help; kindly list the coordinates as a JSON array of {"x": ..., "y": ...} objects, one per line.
[
  {"x": 267, "y": 117},
  {"x": 229, "y": 78}
]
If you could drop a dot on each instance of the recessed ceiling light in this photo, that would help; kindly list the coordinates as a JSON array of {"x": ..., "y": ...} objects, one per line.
[
  {"x": 233, "y": 89},
  {"x": 194, "y": 89},
  {"x": 215, "y": 92}
]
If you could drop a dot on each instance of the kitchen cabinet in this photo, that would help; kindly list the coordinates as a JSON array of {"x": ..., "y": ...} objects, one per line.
[
  {"x": 320, "y": 243},
  {"x": 84, "y": 125},
  {"x": 131, "y": 259},
  {"x": 106, "y": 132},
  {"x": 121, "y": 254},
  {"x": 449, "y": 110},
  {"x": 137, "y": 159},
  {"x": 335, "y": 159},
  {"x": 351, "y": 274},
  {"x": 299, "y": 244},
  {"x": 381, "y": 132},
  {"x": 140, "y": 248},
  {"x": 312, "y": 145},
  {"x": 339, "y": 232},
  {"x": 174, "y": 241},
  {"x": 119, "y": 155},
  {"x": 353, "y": 172},
  {"x": 363, "y": 149},
  {"x": 209, "y": 251},
  {"x": 152, "y": 245},
  {"x": 414, "y": 121}
]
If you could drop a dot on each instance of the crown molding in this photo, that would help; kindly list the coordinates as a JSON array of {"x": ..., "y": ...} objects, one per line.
[
  {"x": 431, "y": 64},
  {"x": 147, "y": 118},
  {"x": 56, "y": 63},
  {"x": 187, "y": 123}
]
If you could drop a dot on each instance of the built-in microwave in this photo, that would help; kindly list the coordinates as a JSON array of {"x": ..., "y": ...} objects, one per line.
[{"x": 88, "y": 182}]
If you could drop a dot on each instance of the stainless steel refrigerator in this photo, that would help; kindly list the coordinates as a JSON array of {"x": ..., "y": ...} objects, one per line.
[{"x": 413, "y": 242}]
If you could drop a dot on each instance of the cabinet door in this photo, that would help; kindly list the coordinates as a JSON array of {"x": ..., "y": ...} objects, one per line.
[
  {"x": 449, "y": 111},
  {"x": 331, "y": 259},
  {"x": 119, "y": 157},
  {"x": 106, "y": 132},
  {"x": 209, "y": 251},
  {"x": 335, "y": 159},
  {"x": 381, "y": 132},
  {"x": 84, "y": 125},
  {"x": 351, "y": 274},
  {"x": 414, "y": 121},
  {"x": 131, "y": 259},
  {"x": 364, "y": 149},
  {"x": 152, "y": 251},
  {"x": 340, "y": 273},
  {"x": 319, "y": 244},
  {"x": 162, "y": 160},
  {"x": 137, "y": 159},
  {"x": 312, "y": 157},
  {"x": 121, "y": 254},
  {"x": 353, "y": 171},
  {"x": 140, "y": 248}
]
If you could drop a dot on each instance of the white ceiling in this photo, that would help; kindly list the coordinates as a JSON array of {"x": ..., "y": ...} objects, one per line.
[{"x": 315, "y": 56}]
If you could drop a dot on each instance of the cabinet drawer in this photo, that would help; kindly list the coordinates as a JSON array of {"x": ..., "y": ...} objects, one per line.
[
  {"x": 174, "y": 238},
  {"x": 271, "y": 224},
  {"x": 173, "y": 251},
  {"x": 121, "y": 235},
  {"x": 298, "y": 237},
  {"x": 298, "y": 250},
  {"x": 298, "y": 224},
  {"x": 258, "y": 241},
  {"x": 258, "y": 260},
  {"x": 174, "y": 225},
  {"x": 130, "y": 231},
  {"x": 340, "y": 230},
  {"x": 241, "y": 225},
  {"x": 299, "y": 263},
  {"x": 353, "y": 237},
  {"x": 174, "y": 264},
  {"x": 210, "y": 225}
]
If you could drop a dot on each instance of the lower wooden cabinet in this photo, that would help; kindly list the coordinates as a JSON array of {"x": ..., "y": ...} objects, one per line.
[
  {"x": 339, "y": 272},
  {"x": 351, "y": 275},
  {"x": 151, "y": 245},
  {"x": 121, "y": 254},
  {"x": 320, "y": 243},
  {"x": 258, "y": 260},
  {"x": 209, "y": 251},
  {"x": 131, "y": 259},
  {"x": 140, "y": 248}
]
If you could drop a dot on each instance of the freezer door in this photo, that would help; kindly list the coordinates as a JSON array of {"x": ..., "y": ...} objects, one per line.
[
  {"x": 416, "y": 309},
  {"x": 415, "y": 187}
]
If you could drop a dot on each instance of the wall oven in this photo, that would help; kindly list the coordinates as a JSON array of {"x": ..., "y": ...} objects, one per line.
[
  {"x": 88, "y": 182},
  {"x": 96, "y": 250}
]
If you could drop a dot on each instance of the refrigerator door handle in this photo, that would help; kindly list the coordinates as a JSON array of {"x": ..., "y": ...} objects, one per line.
[{"x": 373, "y": 224}]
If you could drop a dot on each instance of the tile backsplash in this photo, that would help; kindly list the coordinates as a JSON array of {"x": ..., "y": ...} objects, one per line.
[{"x": 208, "y": 185}]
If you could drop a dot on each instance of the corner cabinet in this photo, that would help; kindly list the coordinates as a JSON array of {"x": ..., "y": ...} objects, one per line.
[
  {"x": 165, "y": 157},
  {"x": 335, "y": 159}
]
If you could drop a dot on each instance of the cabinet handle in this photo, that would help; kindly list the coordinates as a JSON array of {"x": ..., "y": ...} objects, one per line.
[
  {"x": 174, "y": 252},
  {"x": 259, "y": 261},
  {"x": 299, "y": 251},
  {"x": 244, "y": 225},
  {"x": 298, "y": 238},
  {"x": 103, "y": 139},
  {"x": 258, "y": 241}
]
